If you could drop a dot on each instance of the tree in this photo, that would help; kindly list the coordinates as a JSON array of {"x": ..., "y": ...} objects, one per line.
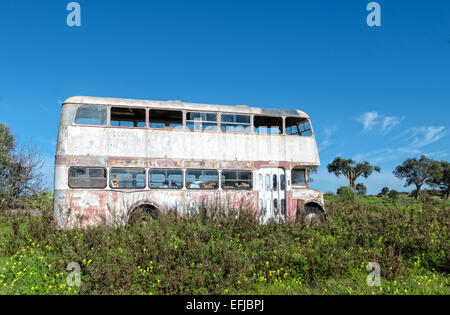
[
  {"x": 384, "y": 191},
  {"x": 20, "y": 170},
  {"x": 25, "y": 177},
  {"x": 418, "y": 172},
  {"x": 7, "y": 145},
  {"x": 442, "y": 179},
  {"x": 361, "y": 189},
  {"x": 351, "y": 170}
]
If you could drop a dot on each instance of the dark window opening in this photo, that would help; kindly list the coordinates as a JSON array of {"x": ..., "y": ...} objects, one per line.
[
  {"x": 166, "y": 119},
  {"x": 166, "y": 179},
  {"x": 202, "y": 179},
  {"x": 298, "y": 127},
  {"x": 299, "y": 177},
  {"x": 282, "y": 182},
  {"x": 275, "y": 182},
  {"x": 127, "y": 178},
  {"x": 87, "y": 177},
  {"x": 237, "y": 180},
  {"x": 268, "y": 125},
  {"x": 283, "y": 207},
  {"x": 91, "y": 115},
  {"x": 201, "y": 121},
  {"x": 127, "y": 117}
]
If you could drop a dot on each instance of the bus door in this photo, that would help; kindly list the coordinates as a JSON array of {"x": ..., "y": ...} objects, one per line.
[{"x": 272, "y": 193}]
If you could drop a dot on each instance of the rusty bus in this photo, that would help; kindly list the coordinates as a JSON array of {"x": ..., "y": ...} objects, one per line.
[{"x": 116, "y": 157}]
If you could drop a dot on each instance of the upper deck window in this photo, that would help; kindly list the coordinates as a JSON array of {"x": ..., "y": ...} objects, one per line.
[
  {"x": 298, "y": 177},
  {"x": 127, "y": 117},
  {"x": 202, "y": 179},
  {"x": 166, "y": 179},
  {"x": 268, "y": 125},
  {"x": 298, "y": 127},
  {"x": 237, "y": 180},
  {"x": 201, "y": 121},
  {"x": 166, "y": 119},
  {"x": 127, "y": 178},
  {"x": 91, "y": 115},
  {"x": 87, "y": 177},
  {"x": 235, "y": 123}
]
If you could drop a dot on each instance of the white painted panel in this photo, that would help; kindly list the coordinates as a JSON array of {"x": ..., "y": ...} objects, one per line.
[{"x": 140, "y": 143}]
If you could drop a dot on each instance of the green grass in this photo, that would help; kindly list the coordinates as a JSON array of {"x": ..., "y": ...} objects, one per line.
[{"x": 215, "y": 253}]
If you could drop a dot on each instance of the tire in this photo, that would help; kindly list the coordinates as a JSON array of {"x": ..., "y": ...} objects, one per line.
[
  {"x": 314, "y": 213},
  {"x": 143, "y": 214}
]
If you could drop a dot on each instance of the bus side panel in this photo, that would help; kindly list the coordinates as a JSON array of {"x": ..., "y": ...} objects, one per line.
[
  {"x": 120, "y": 203},
  {"x": 78, "y": 208}
]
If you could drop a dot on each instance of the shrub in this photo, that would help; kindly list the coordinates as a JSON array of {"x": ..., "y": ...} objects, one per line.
[
  {"x": 346, "y": 193},
  {"x": 393, "y": 194},
  {"x": 361, "y": 189},
  {"x": 220, "y": 252}
]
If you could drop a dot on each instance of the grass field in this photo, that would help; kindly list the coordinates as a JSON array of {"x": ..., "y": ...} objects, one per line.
[{"x": 215, "y": 253}]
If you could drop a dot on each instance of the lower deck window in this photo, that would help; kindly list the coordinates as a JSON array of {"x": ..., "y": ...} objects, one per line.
[
  {"x": 283, "y": 207},
  {"x": 166, "y": 179},
  {"x": 299, "y": 177},
  {"x": 202, "y": 179},
  {"x": 127, "y": 178},
  {"x": 268, "y": 182},
  {"x": 237, "y": 180},
  {"x": 87, "y": 177},
  {"x": 275, "y": 182}
]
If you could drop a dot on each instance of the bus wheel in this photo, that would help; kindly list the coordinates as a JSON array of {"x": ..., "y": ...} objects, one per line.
[
  {"x": 314, "y": 213},
  {"x": 143, "y": 214}
]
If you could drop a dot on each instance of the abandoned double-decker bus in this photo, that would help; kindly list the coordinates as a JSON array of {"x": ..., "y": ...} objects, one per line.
[{"x": 118, "y": 158}]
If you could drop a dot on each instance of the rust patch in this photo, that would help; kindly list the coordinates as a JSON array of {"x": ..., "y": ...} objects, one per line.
[{"x": 127, "y": 162}]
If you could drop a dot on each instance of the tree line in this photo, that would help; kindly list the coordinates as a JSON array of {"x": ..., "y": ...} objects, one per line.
[{"x": 416, "y": 171}]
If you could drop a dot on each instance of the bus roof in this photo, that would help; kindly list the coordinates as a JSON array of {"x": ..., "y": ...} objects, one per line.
[{"x": 241, "y": 109}]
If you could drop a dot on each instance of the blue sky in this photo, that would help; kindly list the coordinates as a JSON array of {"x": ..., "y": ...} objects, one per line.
[{"x": 379, "y": 94}]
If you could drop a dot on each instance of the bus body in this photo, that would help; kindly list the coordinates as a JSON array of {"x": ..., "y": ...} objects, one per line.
[{"x": 118, "y": 156}]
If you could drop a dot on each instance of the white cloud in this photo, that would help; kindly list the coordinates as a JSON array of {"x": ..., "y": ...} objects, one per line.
[
  {"x": 414, "y": 141},
  {"x": 389, "y": 122},
  {"x": 427, "y": 135},
  {"x": 369, "y": 120}
]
